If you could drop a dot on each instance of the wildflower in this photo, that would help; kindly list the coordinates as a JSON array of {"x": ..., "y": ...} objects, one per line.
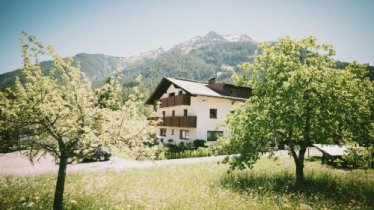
[
  {"x": 73, "y": 202},
  {"x": 286, "y": 205},
  {"x": 30, "y": 204}
]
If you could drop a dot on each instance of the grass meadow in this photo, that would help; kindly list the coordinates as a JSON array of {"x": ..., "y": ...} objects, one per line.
[{"x": 199, "y": 186}]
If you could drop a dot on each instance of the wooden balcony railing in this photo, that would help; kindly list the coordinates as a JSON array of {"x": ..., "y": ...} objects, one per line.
[
  {"x": 175, "y": 101},
  {"x": 178, "y": 121}
]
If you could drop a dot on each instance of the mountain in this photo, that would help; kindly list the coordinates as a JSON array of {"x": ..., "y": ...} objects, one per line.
[
  {"x": 97, "y": 67},
  {"x": 200, "y": 58},
  {"x": 212, "y": 38}
]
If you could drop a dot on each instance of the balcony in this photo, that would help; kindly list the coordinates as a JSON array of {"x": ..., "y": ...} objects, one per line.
[
  {"x": 179, "y": 121},
  {"x": 175, "y": 101}
]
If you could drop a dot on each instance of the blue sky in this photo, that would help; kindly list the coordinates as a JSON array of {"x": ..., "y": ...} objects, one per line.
[{"x": 125, "y": 28}]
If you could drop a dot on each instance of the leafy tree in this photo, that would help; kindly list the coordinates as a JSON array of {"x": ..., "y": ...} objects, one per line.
[
  {"x": 301, "y": 98},
  {"x": 109, "y": 94},
  {"x": 59, "y": 113}
]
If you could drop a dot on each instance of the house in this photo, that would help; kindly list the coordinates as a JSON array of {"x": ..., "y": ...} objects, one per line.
[{"x": 193, "y": 110}]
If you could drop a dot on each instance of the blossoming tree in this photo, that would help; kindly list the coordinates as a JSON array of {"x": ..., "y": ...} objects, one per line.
[{"x": 58, "y": 113}]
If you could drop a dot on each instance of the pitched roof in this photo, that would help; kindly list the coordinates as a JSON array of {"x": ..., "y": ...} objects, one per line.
[{"x": 190, "y": 86}]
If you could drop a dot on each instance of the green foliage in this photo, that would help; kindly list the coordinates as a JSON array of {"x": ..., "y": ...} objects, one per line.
[
  {"x": 359, "y": 157},
  {"x": 199, "y": 143},
  {"x": 109, "y": 95},
  {"x": 182, "y": 150},
  {"x": 59, "y": 113},
  {"x": 301, "y": 98}
]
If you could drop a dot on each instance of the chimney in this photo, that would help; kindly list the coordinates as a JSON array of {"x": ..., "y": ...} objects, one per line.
[{"x": 212, "y": 81}]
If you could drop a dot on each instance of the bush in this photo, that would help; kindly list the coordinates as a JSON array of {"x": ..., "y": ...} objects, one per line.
[
  {"x": 203, "y": 152},
  {"x": 199, "y": 143},
  {"x": 188, "y": 150},
  {"x": 160, "y": 152},
  {"x": 182, "y": 145},
  {"x": 358, "y": 157}
]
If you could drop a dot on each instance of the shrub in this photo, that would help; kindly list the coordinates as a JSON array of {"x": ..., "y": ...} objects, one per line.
[
  {"x": 358, "y": 157},
  {"x": 203, "y": 152},
  {"x": 182, "y": 145},
  {"x": 199, "y": 143},
  {"x": 160, "y": 152}
]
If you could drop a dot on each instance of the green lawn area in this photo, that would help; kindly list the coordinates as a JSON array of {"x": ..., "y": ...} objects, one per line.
[{"x": 198, "y": 186}]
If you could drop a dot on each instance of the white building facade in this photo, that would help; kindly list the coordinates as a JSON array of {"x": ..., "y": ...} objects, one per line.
[{"x": 192, "y": 110}]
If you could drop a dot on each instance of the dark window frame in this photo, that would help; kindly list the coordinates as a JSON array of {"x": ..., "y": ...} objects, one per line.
[
  {"x": 181, "y": 136},
  {"x": 213, "y": 113},
  {"x": 185, "y": 112},
  {"x": 215, "y": 134},
  {"x": 163, "y": 131}
]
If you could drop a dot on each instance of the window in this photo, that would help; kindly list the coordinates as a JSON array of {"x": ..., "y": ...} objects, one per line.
[
  {"x": 163, "y": 132},
  {"x": 163, "y": 113},
  {"x": 233, "y": 92},
  {"x": 213, "y": 113},
  {"x": 180, "y": 92},
  {"x": 185, "y": 112},
  {"x": 173, "y": 113},
  {"x": 171, "y": 94},
  {"x": 162, "y": 140},
  {"x": 184, "y": 134},
  {"x": 214, "y": 135},
  {"x": 172, "y": 131}
]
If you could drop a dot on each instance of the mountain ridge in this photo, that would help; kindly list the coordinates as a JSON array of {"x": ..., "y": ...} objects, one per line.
[
  {"x": 98, "y": 67},
  {"x": 199, "y": 58}
]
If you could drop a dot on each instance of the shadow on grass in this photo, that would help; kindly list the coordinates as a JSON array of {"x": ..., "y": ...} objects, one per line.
[
  {"x": 314, "y": 159},
  {"x": 337, "y": 164},
  {"x": 340, "y": 189}
]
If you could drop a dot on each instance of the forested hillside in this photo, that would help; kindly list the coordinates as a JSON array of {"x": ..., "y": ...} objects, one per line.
[{"x": 199, "y": 58}]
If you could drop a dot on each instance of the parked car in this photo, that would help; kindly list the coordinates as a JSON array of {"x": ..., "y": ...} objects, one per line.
[
  {"x": 94, "y": 154},
  {"x": 97, "y": 154}
]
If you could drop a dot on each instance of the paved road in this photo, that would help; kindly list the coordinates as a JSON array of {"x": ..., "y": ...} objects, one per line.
[{"x": 17, "y": 164}]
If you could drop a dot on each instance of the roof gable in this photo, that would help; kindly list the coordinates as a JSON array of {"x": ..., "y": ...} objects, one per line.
[{"x": 190, "y": 86}]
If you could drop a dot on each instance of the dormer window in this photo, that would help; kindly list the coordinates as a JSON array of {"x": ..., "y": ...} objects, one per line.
[
  {"x": 233, "y": 92},
  {"x": 171, "y": 94}
]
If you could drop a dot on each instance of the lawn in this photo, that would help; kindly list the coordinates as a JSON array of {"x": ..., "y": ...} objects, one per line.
[{"x": 198, "y": 186}]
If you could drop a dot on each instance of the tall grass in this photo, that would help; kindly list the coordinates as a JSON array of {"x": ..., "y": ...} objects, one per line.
[
  {"x": 200, "y": 186},
  {"x": 321, "y": 190}
]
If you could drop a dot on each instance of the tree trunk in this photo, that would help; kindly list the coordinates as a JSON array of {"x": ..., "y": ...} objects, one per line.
[
  {"x": 300, "y": 168},
  {"x": 60, "y": 184}
]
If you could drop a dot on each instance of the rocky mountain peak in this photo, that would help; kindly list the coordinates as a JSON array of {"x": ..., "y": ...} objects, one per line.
[
  {"x": 213, "y": 36},
  {"x": 210, "y": 38}
]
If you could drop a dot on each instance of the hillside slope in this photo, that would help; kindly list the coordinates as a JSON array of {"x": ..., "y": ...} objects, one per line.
[{"x": 200, "y": 58}]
